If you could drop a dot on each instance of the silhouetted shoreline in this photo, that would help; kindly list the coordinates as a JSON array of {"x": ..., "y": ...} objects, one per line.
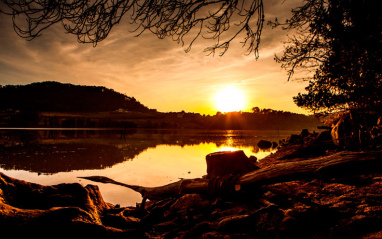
[
  {"x": 74, "y": 106},
  {"x": 272, "y": 120}
]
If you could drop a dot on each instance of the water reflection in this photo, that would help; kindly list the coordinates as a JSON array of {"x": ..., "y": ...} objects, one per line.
[
  {"x": 53, "y": 151},
  {"x": 142, "y": 157}
]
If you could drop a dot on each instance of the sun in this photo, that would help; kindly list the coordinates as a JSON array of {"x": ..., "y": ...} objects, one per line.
[{"x": 229, "y": 99}]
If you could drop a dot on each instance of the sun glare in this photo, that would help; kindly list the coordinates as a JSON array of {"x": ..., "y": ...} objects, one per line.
[{"x": 229, "y": 99}]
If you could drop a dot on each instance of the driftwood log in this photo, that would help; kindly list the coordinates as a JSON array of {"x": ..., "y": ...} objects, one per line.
[{"x": 338, "y": 164}]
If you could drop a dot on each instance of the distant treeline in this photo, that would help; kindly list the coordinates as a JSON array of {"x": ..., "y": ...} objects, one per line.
[
  {"x": 56, "y": 105},
  {"x": 265, "y": 119},
  {"x": 272, "y": 120},
  {"x": 57, "y": 97}
]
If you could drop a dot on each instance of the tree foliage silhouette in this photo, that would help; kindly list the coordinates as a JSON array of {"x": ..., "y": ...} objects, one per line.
[
  {"x": 92, "y": 21},
  {"x": 341, "y": 42}
]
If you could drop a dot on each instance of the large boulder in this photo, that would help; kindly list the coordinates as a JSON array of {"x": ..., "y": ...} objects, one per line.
[
  {"x": 304, "y": 133},
  {"x": 264, "y": 144},
  {"x": 228, "y": 162},
  {"x": 294, "y": 139},
  {"x": 324, "y": 137}
]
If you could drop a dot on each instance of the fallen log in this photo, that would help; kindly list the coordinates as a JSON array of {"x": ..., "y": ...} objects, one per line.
[{"x": 329, "y": 166}]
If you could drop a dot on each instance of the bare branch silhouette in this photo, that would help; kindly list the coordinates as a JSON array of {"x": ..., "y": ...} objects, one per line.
[
  {"x": 92, "y": 20},
  {"x": 307, "y": 49}
]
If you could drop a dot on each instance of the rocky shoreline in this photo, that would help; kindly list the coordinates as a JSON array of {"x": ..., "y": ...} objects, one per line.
[{"x": 340, "y": 206}]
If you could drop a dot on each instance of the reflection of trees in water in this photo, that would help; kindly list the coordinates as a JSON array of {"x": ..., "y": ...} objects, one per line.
[
  {"x": 56, "y": 151},
  {"x": 56, "y": 158},
  {"x": 63, "y": 151},
  {"x": 19, "y": 138}
]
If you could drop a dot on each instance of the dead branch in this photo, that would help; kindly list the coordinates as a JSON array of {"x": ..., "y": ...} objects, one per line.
[{"x": 328, "y": 166}]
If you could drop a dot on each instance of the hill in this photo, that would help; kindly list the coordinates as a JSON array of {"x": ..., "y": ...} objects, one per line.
[
  {"x": 58, "y": 97},
  {"x": 57, "y": 105}
]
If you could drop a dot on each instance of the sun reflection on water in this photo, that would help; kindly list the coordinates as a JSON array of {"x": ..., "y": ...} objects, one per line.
[{"x": 147, "y": 162}]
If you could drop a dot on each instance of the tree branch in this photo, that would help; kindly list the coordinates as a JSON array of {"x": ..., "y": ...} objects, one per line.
[
  {"x": 91, "y": 21},
  {"x": 333, "y": 165}
]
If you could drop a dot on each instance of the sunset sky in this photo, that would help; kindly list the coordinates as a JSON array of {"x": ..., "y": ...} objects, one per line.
[{"x": 158, "y": 73}]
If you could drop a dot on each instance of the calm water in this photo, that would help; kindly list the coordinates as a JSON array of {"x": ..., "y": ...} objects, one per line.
[{"x": 141, "y": 157}]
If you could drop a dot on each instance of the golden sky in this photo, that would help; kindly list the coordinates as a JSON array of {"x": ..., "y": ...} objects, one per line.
[{"x": 158, "y": 73}]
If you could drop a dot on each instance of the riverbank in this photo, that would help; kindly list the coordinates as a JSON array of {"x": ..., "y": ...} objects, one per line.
[{"x": 330, "y": 205}]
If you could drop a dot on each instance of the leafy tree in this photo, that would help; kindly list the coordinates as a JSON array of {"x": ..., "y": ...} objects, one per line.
[
  {"x": 255, "y": 110},
  {"x": 341, "y": 42}
]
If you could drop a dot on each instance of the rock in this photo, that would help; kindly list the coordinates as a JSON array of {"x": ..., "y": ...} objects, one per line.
[
  {"x": 187, "y": 206},
  {"x": 304, "y": 133},
  {"x": 359, "y": 225},
  {"x": 228, "y": 162},
  {"x": 264, "y": 144},
  {"x": 231, "y": 223},
  {"x": 213, "y": 235},
  {"x": 190, "y": 201},
  {"x": 165, "y": 226},
  {"x": 374, "y": 235},
  {"x": 33, "y": 210},
  {"x": 120, "y": 221},
  {"x": 324, "y": 137},
  {"x": 266, "y": 221},
  {"x": 198, "y": 230},
  {"x": 253, "y": 159},
  {"x": 294, "y": 139},
  {"x": 274, "y": 145}
]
